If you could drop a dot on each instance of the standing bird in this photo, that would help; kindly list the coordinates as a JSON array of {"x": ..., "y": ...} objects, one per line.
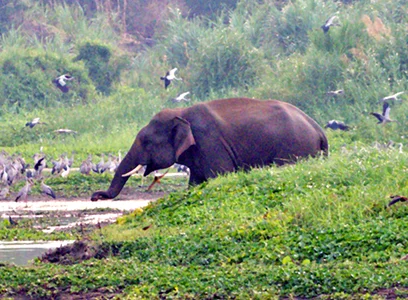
[
  {"x": 385, "y": 116},
  {"x": 34, "y": 122},
  {"x": 47, "y": 189},
  {"x": 392, "y": 97},
  {"x": 335, "y": 93},
  {"x": 65, "y": 173},
  {"x": 25, "y": 190},
  {"x": 334, "y": 124},
  {"x": 61, "y": 84},
  {"x": 181, "y": 97},
  {"x": 329, "y": 23},
  {"x": 397, "y": 198},
  {"x": 86, "y": 166},
  {"x": 170, "y": 75}
]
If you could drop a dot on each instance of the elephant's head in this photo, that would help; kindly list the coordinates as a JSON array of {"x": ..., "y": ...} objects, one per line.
[{"x": 157, "y": 146}]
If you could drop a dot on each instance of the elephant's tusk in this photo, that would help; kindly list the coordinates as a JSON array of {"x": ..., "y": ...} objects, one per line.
[{"x": 135, "y": 170}]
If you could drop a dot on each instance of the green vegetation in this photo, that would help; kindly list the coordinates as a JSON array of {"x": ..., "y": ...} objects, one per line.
[{"x": 320, "y": 227}]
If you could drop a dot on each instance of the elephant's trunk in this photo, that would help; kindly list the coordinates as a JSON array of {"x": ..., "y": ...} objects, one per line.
[{"x": 127, "y": 164}]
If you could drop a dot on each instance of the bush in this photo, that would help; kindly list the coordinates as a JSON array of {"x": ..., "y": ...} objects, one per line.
[
  {"x": 26, "y": 79},
  {"x": 102, "y": 69},
  {"x": 224, "y": 59}
]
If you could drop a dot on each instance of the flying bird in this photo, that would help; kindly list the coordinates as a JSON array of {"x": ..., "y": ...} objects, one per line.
[
  {"x": 181, "y": 97},
  {"x": 65, "y": 131},
  {"x": 335, "y": 93},
  {"x": 392, "y": 97},
  {"x": 61, "y": 84},
  {"x": 34, "y": 122},
  {"x": 170, "y": 75},
  {"x": 397, "y": 198},
  {"x": 329, "y": 22},
  {"x": 334, "y": 124},
  {"x": 385, "y": 116}
]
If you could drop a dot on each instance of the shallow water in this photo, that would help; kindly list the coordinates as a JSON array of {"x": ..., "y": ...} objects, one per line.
[{"x": 22, "y": 252}]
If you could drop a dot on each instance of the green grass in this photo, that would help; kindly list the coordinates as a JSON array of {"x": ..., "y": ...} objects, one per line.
[{"x": 320, "y": 227}]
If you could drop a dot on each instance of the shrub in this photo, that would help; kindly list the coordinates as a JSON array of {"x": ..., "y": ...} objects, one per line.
[{"x": 103, "y": 68}]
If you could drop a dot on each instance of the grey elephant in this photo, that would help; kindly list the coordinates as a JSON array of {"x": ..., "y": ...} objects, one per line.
[{"x": 220, "y": 136}]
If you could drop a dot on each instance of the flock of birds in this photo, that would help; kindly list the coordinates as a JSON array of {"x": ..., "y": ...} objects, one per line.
[
  {"x": 382, "y": 118},
  {"x": 14, "y": 168}
]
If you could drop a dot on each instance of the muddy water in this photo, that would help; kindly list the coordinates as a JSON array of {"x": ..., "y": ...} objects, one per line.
[{"x": 22, "y": 252}]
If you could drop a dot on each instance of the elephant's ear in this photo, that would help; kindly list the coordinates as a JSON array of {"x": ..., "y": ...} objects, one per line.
[{"x": 182, "y": 136}]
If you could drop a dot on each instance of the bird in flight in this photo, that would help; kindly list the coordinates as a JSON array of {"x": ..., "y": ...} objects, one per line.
[
  {"x": 61, "y": 84},
  {"x": 385, "y": 116},
  {"x": 65, "y": 131},
  {"x": 170, "y": 75},
  {"x": 335, "y": 93},
  {"x": 181, "y": 97},
  {"x": 334, "y": 124},
  {"x": 397, "y": 198},
  {"x": 329, "y": 22},
  {"x": 392, "y": 97},
  {"x": 34, "y": 122}
]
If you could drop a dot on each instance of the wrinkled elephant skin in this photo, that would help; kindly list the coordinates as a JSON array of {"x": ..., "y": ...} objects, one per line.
[{"x": 221, "y": 136}]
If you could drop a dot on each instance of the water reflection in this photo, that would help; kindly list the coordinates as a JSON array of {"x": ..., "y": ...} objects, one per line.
[{"x": 22, "y": 252}]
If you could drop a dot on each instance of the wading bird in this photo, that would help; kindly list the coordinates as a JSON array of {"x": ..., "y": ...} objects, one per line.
[
  {"x": 392, "y": 97},
  {"x": 329, "y": 22},
  {"x": 181, "y": 97},
  {"x": 61, "y": 84},
  {"x": 25, "y": 190},
  {"x": 385, "y": 116},
  {"x": 334, "y": 124},
  {"x": 47, "y": 189},
  {"x": 170, "y": 75}
]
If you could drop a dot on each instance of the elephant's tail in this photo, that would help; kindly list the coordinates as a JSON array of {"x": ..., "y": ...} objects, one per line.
[{"x": 324, "y": 145}]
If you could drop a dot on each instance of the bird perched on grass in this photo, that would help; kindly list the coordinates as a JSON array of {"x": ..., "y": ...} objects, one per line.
[
  {"x": 170, "y": 75},
  {"x": 25, "y": 190},
  {"x": 47, "y": 189},
  {"x": 34, "y": 122},
  {"x": 335, "y": 93},
  {"x": 330, "y": 22},
  {"x": 334, "y": 124},
  {"x": 385, "y": 116},
  {"x": 392, "y": 97},
  {"x": 397, "y": 198},
  {"x": 181, "y": 97},
  {"x": 61, "y": 84}
]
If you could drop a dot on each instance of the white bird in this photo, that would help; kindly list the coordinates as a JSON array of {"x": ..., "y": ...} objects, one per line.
[
  {"x": 65, "y": 131},
  {"x": 392, "y": 97},
  {"x": 329, "y": 22},
  {"x": 170, "y": 75},
  {"x": 65, "y": 173},
  {"x": 181, "y": 97},
  {"x": 34, "y": 122},
  {"x": 61, "y": 84},
  {"x": 385, "y": 116},
  {"x": 335, "y": 93}
]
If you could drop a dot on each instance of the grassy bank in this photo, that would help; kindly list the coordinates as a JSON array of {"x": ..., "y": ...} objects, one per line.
[{"x": 320, "y": 227}]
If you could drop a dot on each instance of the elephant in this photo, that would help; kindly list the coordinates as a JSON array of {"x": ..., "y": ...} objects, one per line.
[{"x": 220, "y": 136}]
